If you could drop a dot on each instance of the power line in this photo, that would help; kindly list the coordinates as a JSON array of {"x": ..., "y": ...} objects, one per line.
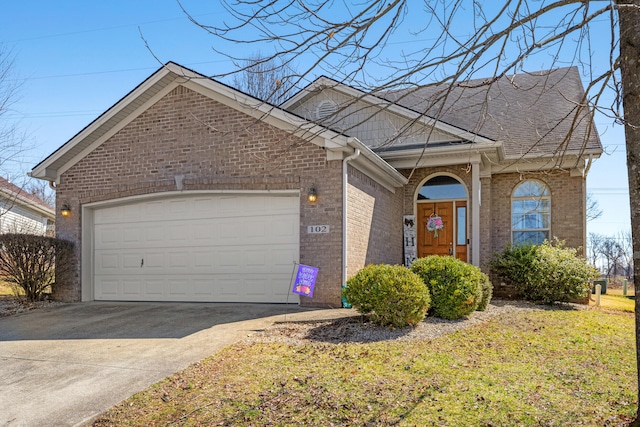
[{"x": 93, "y": 30}]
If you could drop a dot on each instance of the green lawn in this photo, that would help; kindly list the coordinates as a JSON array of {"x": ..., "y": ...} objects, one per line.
[
  {"x": 615, "y": 302},
  {"x": 538, "y": 368}
]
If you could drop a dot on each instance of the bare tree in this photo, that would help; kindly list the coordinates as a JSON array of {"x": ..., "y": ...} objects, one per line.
[
  {"x": 626, "y": 243},
  {"x": 264, "y": 79},
  {"x": 593, "y": 208},
  {"x": 11, "y": 138},
  {"x": 355, "y": 43},
  {"x": 613, "y": 256},
  {"x": 41, "y": 190},
  {"x": 595, "y": 247}
]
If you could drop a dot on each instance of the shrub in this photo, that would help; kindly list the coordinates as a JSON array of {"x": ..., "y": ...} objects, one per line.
[
  {"x": 28, "y": 262},
  {"x": 487, "y": 292},
  {"x": 454, "y": 285},
  {"x": 388, "y": 295},
  {"x": 545, "y": 273}
]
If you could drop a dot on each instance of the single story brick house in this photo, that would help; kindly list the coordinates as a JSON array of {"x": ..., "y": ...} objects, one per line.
[{"x": 189, "y": 190}]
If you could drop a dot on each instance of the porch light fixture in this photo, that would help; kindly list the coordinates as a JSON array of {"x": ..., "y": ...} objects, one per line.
[
  {"x": 66, "y": 210},
  {"x": 313, "y": 195}
]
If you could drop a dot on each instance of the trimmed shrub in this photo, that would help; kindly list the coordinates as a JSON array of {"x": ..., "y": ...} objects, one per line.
[
  {"x": 545, "y": 273},
  {"x": 30, "y": 263},
  {"x": 454, "y": 285},
  {"x": 388, "y": 295},
  {"x": 487, "y": 292}
]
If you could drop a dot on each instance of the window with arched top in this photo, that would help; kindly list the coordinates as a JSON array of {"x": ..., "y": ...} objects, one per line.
[
  {"x": 530, "y": 213},
  {"x": 442, "y": 187}
]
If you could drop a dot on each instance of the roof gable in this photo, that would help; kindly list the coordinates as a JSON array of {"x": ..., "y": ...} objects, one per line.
[
  {"x": 356, "y": 107},
  {"x": 528, "y": 115},
  {"x": 172, "y": 75}
]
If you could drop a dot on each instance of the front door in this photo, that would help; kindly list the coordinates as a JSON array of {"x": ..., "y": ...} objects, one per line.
[{"x": 452, "y": 238}]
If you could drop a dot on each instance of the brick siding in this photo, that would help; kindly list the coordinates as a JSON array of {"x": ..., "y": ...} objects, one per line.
[
  {"x": 374, "y": 223},
  {"x": 568, "y": 201},
  {"x": 216, "y": 148}
]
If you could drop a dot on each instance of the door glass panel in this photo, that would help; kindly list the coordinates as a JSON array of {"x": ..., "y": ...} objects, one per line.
[
  {"x": 442, "y": 187},
  {"x": 462, "y": 226}
]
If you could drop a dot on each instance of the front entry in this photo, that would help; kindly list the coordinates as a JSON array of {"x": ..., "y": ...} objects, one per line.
[{"x": 451, "y": 239}]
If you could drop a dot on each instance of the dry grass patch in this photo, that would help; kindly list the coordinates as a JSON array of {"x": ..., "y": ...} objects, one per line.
[
  {"x": 5, "y": 289},
  {"x": 554, "y": 368}
]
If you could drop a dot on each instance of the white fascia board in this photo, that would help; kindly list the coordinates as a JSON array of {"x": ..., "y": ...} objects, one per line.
[
  {"x": 571, "y": 162},
  {"x": 375, "y": 167},
  {"x": 196, "y": 82},
  {"x": 45, "y": 170},
  {"x": 439, "y": 156}
]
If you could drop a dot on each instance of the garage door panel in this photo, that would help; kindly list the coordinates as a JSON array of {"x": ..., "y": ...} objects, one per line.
[
  {"x": 132, "y": 287},
  {"x": 202, "y": 231},
  {"x": 255, "y": 287},
  {"x": 154, "y": 288},
  {"x": 228, "y": 248},
  {"x": 107, "y": 236},
  {"x": 108, "y": 287},
  {"x": 203, "y": 289},
  {"x": 108, "y": 262},
  {"x": 179, "y": 288},
  {"x": 282, "y": 258},
  {"x": 155, "y": 261}
]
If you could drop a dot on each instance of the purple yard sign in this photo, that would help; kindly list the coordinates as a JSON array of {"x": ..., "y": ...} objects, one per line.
[{"x": 305, "y": 280}]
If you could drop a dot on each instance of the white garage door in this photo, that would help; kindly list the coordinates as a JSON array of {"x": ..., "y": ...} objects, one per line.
[{"x": 216, "y": 248}]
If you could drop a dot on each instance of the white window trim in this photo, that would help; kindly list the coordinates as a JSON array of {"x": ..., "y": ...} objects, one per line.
[{"x": 537, "y": 198}]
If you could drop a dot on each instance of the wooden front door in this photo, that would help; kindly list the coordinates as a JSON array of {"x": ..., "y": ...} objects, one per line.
[{"x": 452, "y": 239}]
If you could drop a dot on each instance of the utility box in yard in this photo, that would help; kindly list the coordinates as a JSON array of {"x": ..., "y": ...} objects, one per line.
[{"x": 603, "y": 285}]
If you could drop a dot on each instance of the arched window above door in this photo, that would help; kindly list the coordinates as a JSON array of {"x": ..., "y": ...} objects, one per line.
[{"x": 442, "y": 188}]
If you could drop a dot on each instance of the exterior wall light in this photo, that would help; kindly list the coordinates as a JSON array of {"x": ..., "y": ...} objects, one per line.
[
  {"x": 65, "y": 211},
  {"x": 313, "y": 195}
]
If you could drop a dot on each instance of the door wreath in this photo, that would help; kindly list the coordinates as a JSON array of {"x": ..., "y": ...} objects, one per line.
[{"x": 434, "y": 224}]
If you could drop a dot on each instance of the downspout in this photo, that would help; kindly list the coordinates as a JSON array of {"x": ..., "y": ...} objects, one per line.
[{"x": 345, "y": 180}]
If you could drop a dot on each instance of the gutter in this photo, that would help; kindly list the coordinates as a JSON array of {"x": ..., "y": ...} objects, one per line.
[{"x": 344, "y": 212}]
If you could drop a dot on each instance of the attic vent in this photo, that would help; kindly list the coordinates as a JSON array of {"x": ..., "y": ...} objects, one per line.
[{"x": 326, "y": 109}]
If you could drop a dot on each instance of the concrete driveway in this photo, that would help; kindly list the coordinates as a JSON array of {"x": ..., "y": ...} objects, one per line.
[{"x": 64, "y": 365}]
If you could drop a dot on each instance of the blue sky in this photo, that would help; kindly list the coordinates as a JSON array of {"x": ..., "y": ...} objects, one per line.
[{"x": 76, "y": 58}]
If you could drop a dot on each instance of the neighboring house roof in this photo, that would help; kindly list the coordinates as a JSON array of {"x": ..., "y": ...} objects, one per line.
[
  {"x": 172, "y": 75},
  {"x": 525, "y": 116},
  {"x": 12, "y": 194}
]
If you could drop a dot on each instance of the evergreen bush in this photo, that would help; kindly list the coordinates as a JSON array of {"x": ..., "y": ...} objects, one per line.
[
  {"x": 389, "y": 295},
  {"x": 545, "y": 273},
  {"x": 454, "y": 285}
]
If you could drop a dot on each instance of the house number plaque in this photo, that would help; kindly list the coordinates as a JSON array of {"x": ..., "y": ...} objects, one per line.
[{"x": 317, "y": 229}]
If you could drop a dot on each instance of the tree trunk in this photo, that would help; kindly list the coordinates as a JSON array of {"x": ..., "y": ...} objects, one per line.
[{"x": 629, "y": 15}]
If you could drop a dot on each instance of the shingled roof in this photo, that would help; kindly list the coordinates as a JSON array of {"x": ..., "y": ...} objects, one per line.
[
  {"x": 531, "y": 114},
  {"x": 16, "y": 194}
]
